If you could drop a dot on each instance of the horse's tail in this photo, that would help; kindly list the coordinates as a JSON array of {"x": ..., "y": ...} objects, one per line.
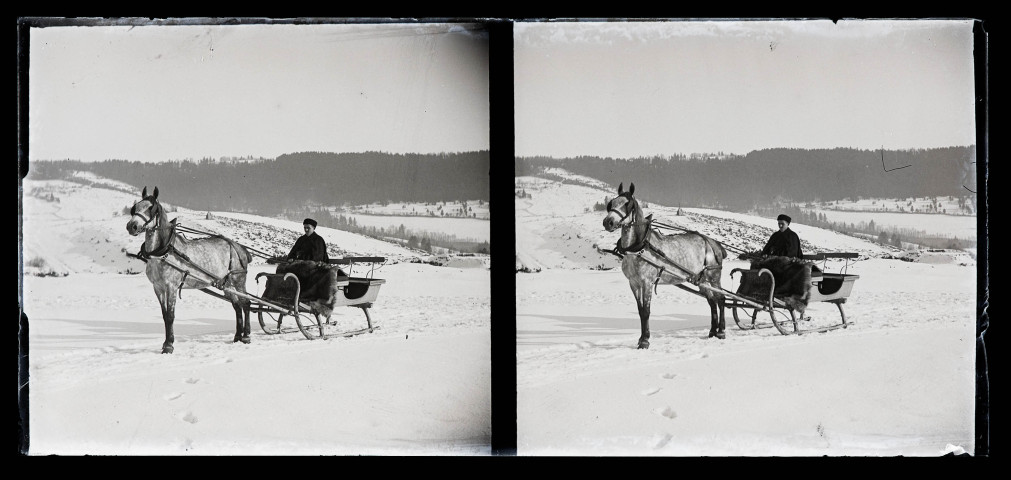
[
  {"x": 718, "y": 251},
  {"x": 723, "y": 251},
  {"x": 244, "y": 256},
  {"x": 243, "y": 253}
]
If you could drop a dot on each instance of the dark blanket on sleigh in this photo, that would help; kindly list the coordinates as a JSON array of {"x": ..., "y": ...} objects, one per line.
[
  {"x": 793, "y": 281},
  {"x": 318, "y": 282}
]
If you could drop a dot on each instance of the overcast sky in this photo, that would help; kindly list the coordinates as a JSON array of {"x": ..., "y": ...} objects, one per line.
[
  {"x": 157, "y": 93},
  {"x": 631, "y": 89}
]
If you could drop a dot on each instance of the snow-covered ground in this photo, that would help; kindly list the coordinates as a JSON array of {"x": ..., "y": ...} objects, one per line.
[
  {"x": 900, "y": 380},
  {"x": 419, "y": 385}
]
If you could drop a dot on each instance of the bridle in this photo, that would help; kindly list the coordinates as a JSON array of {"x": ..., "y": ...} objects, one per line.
[
  {"x": 154, "y": 211},
  {"x": 629, "y": 208}
]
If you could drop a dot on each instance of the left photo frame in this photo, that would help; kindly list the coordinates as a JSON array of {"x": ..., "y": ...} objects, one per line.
[{"x": 254, "y": 238}]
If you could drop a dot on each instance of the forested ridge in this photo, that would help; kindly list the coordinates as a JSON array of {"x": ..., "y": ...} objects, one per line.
[
  {"x": 765, "y": 176},
  {"x": 270, "y": 186}
]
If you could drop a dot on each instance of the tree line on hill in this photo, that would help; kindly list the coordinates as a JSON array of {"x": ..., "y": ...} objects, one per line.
[
  {"x": 269, "y": 186},
  {"x": 762, "y": 177}
]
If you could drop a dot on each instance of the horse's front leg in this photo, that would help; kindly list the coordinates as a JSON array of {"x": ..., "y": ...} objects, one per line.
[
  {"x": 167, "y": 300},
  {"x": 643, "y": 296}
]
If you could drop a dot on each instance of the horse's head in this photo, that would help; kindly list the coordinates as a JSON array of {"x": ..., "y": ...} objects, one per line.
[
  {"x": 144, "y": 213},
  {"x": 620, "y": 209}
]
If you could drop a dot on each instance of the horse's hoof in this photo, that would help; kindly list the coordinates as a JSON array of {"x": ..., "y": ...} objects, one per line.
[
  {"x": 245, "y": 340},
  {"x": 643, "y": 345},
  {"x": 168, "y": 349},
  {"x": 721, "y": 335}
]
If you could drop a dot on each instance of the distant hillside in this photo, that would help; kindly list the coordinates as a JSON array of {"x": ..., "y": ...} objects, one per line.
[
  {"x": 742, "y": 181},
  {"x": 296, "y": 180}
]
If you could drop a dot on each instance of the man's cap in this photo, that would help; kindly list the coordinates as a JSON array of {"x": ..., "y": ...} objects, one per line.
[
  {"x": 784, "y": 217},
  {"x": 309, "y": 221}
]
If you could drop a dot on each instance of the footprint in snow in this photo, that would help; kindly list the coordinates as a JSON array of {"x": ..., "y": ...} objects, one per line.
[
  {"x": 173, "y": 396},
  {"x": 666, "y": 412},
  {"x": 664, "y": 441},
  {"x": 187, "y": 417},
  {"x": 192, "y": 380},
  {"x": 669, "y": 376},
  {"x": 650, "y": 391}
]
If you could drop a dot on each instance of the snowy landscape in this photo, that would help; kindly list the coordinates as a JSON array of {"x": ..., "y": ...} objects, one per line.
[
  {"x": 386, "y": 128},
  {"x": 898, "y": 381},
  {"x": 418, "y": 385}
]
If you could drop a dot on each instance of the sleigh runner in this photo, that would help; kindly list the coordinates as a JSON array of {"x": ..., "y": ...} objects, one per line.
[
  {"x": 282, "y": 298},
  {"x": 832, "y": 288}
]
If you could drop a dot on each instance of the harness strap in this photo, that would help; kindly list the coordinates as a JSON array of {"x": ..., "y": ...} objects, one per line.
[
  {"x": 656, "y": 282},
  {"x": 168, "y": 247},
  {"x": 692, "y": 276},
  {"x": 185, "y": 274},
  {"x": 217, "y": 283},
  {"x": 639, "y": 248}
]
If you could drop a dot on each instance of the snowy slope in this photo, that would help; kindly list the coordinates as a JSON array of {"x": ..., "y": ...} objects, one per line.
[
  {"x": 419, "y": 385},
  {"x": 900, "y": 380}
]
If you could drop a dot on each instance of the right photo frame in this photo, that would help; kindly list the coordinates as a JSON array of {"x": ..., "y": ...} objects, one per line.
[{"x": 750, "y": 238}]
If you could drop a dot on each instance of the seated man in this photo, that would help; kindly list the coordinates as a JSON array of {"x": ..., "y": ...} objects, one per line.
[
  {"x": 784, "y": 242},
  {"x": 309, "y": 246}
]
